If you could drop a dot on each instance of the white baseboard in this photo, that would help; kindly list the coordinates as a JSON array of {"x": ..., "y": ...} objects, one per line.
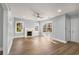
[
  {"x": 76, "y": 41},
  {"x": 10, "y": 46},
  {"x": 18, "y": 36},
  {"x": 60, "y": 40},
  {"x": 25, "y": 37}
]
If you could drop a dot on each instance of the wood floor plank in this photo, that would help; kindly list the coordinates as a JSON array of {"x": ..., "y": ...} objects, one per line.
[{"x": 42, "y": 46}]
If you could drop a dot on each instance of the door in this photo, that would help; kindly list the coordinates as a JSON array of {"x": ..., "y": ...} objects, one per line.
[
  {"x": 68, "y": 28},
  {"x": 75, "y": 29}
]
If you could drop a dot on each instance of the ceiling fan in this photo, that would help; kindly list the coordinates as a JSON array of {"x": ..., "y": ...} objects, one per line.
[{"x": 36, "y": 14}]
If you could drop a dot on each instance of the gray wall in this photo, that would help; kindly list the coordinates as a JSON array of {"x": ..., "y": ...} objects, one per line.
[
  {"x": 27, "y": 24},
  {"x": 17, "y": 34},
  {"x": 8, "y": 33},
  {"x": 1, "y": 27},
  {"x": 49, "y": 34},
  {"x": 59, "y": 27},
  {"x": 65, "y": 28},
  {"x": 5, "y": 32},
  {"x": 10, "y": 30}
]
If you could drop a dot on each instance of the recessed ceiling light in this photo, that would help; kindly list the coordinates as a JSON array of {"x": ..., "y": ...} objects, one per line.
[{"x": 59, "y": 10}]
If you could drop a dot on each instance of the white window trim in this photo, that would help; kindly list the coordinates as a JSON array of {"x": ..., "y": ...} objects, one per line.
[{"x": 22, "y": 26}]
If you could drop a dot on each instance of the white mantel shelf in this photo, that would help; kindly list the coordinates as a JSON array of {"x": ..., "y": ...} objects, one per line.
[{"x": 28, "y": 29}]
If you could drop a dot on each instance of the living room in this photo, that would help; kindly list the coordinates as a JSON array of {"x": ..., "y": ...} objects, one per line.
[{"x": 41, "y": 29}]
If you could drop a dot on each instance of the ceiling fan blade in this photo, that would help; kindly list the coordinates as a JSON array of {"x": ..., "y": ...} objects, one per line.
[
  {"x": 41, "y": 17},
  {"x": 33, "y": 11},
  {"x": 36, "y": 14}
]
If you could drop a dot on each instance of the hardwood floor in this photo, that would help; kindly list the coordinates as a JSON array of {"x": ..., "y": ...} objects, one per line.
[{"x": 43, "y": 46}]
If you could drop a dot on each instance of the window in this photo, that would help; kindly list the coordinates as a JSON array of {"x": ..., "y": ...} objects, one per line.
[
  {"x": 47, "y": 27},
  {"x": 44, "y": 28},
  {"x": 18, "y": 27},
  {"x": 36, "y": 28}
]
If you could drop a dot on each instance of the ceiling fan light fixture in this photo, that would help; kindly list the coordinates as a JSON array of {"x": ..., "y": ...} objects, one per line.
[{"x": 59, "y": 10}]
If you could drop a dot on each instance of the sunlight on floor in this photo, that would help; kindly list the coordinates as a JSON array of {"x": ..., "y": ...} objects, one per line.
[{"x": 42, "y": 41}]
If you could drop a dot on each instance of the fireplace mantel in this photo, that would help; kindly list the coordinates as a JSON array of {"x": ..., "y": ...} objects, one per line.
[{"x": 27, "y": 30}]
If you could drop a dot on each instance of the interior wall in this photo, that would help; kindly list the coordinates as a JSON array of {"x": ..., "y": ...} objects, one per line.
[
  {"x": 29, "y": 24},
  {"x": 5, "y": 30},
  {"x": 59, "y": 28},
  {"x": 10, "y": 30},
  {"x": 15, "y": 33},
  {"x": 1, "y": 27},
  {"x": 36, "y": 24},
  {"x": 49, "y": 34}
]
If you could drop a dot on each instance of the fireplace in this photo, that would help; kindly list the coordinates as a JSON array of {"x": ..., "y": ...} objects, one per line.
[{"x": 29, "y": 33}]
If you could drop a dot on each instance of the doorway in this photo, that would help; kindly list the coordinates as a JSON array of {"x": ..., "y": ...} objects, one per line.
[{"x": 75, "y": 28}]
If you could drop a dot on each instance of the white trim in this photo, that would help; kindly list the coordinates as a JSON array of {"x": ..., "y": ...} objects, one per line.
[
  {"x": 10, "y": 46},
  {"x": 22, "y": 26},
  {"x": 26, "y": 30},
  {"x": 5, "y": 21},
  {"x": 25, "y": 37},
  {"x": 18, "y": 36},
  {"x": 60, "y": 40},
  {"x": 75, "y": 41}
]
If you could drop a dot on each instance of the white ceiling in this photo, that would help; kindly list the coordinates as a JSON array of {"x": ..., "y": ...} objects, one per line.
[{"x": 46, "y": 10}]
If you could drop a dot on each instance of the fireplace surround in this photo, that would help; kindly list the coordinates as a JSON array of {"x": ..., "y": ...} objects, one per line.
[{"x": 29, "y": 33}]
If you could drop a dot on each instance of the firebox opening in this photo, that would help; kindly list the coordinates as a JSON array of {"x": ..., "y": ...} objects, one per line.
[{"x": 29, "y": 33}]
